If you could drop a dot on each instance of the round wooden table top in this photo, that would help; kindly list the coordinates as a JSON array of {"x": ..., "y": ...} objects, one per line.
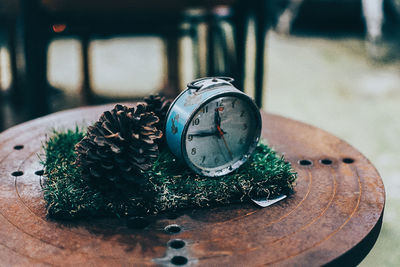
[{"x": 334, "y": 217}]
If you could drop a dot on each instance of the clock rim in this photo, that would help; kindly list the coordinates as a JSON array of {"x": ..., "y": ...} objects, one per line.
[{"x": 245, "y": 156}]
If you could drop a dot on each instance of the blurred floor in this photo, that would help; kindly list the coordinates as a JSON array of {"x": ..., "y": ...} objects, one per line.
[{"x": 332, "y": 84}]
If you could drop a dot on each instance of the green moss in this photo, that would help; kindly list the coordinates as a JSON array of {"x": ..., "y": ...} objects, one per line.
[{"x": 175, "y": 186}]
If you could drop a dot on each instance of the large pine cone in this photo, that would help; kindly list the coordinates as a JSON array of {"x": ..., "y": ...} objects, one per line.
[
  {"x": 119, "y": 147},
  {"x": 159, "y": 105}
]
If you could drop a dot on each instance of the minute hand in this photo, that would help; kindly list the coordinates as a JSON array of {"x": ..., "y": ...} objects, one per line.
[{"x": 217, "y": 119}]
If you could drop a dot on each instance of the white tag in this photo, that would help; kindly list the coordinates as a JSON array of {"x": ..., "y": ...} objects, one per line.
[{"x": 268, "y": 202}]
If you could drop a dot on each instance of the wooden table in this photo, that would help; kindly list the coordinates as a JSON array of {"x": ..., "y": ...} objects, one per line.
[{"x": 333, "y": 218}]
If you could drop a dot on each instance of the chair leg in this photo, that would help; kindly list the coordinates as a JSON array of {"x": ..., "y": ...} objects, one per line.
[
  {"x": 221, "y": 65},
  {"x": 210, "y": 45},
  {"x": 172, "y": 46},
  {"x": 228, "y": 55},
  {"x": 221, "y": 57},
  {"x": 202, "y": 49},
  {"x": 261, "y": 32},
  {"x": 32, "y": 38},
  {"x": 194, "y": 37},
  {"x": 15, "y": 90},
  {"x": 374, "y": 16},
  {"x": 86, "y": 92},
  {"x": 239, "y": 23}
]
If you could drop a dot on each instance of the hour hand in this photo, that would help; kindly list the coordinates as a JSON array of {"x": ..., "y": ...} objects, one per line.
[{"x": 203, "y": 134}]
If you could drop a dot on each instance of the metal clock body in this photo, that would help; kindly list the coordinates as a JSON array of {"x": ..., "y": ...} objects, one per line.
[{"x": 213, "y": 126}]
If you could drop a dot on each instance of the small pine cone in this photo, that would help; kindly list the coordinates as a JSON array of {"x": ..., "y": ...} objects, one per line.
[
  {"x": 119, "y": 147},
  {"x": 159, "y": 105}
]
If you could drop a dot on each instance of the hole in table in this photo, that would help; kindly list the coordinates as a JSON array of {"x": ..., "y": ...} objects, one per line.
[
  {"x": 179, "y": 260},
  {"x": 176, "y": 243},
  {"x": 18, "y": 147},
  {"x": 137, "y": 222},
  {"x": 305, "y": 162},
  {"x": 39, "y": 173},
  {"x": 17, "y": 173},
  {"x": 326, "y": 161},
  {"x": 173, "y": 229},
  {"x": 348, "y": 160}
]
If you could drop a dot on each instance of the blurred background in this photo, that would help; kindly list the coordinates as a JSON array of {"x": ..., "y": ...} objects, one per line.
[{"x": 334, "y": 64}]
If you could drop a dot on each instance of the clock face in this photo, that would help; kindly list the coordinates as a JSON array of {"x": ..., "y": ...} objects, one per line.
[{"x": 221, "y": 133}]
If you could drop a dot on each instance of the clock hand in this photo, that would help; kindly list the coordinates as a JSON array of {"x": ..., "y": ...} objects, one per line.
[
  {"x": 217, "y": 118},
  {"x": 221, "y": 133},
  {"x": 203, "y": 134}
]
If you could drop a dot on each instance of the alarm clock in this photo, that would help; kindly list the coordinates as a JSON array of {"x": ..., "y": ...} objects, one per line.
[{"x": 212, "y": 126}]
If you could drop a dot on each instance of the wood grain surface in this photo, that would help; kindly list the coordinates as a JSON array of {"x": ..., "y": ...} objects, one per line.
[{"x": 334, "y": 216}]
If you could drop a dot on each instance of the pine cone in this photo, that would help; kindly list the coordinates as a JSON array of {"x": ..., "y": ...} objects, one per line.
[
  {"x": 119, "y": 147},
  {"x": 159, "y": 105}
]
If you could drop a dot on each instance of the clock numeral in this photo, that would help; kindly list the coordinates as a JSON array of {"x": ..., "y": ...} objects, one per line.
[
  {"x": 220, "y": 103},
  {"x": 242, "y": 113},
  {"x": 233, "y": 103},
  {"x": 203, "y": 159},
  {"x": 205, "y": 109},
  {"x": 196, "y": 121},
  {"x": 190, "y": 137},
  {"x": 193, "y": 151},
  {"x": 244, "y": 126}
]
